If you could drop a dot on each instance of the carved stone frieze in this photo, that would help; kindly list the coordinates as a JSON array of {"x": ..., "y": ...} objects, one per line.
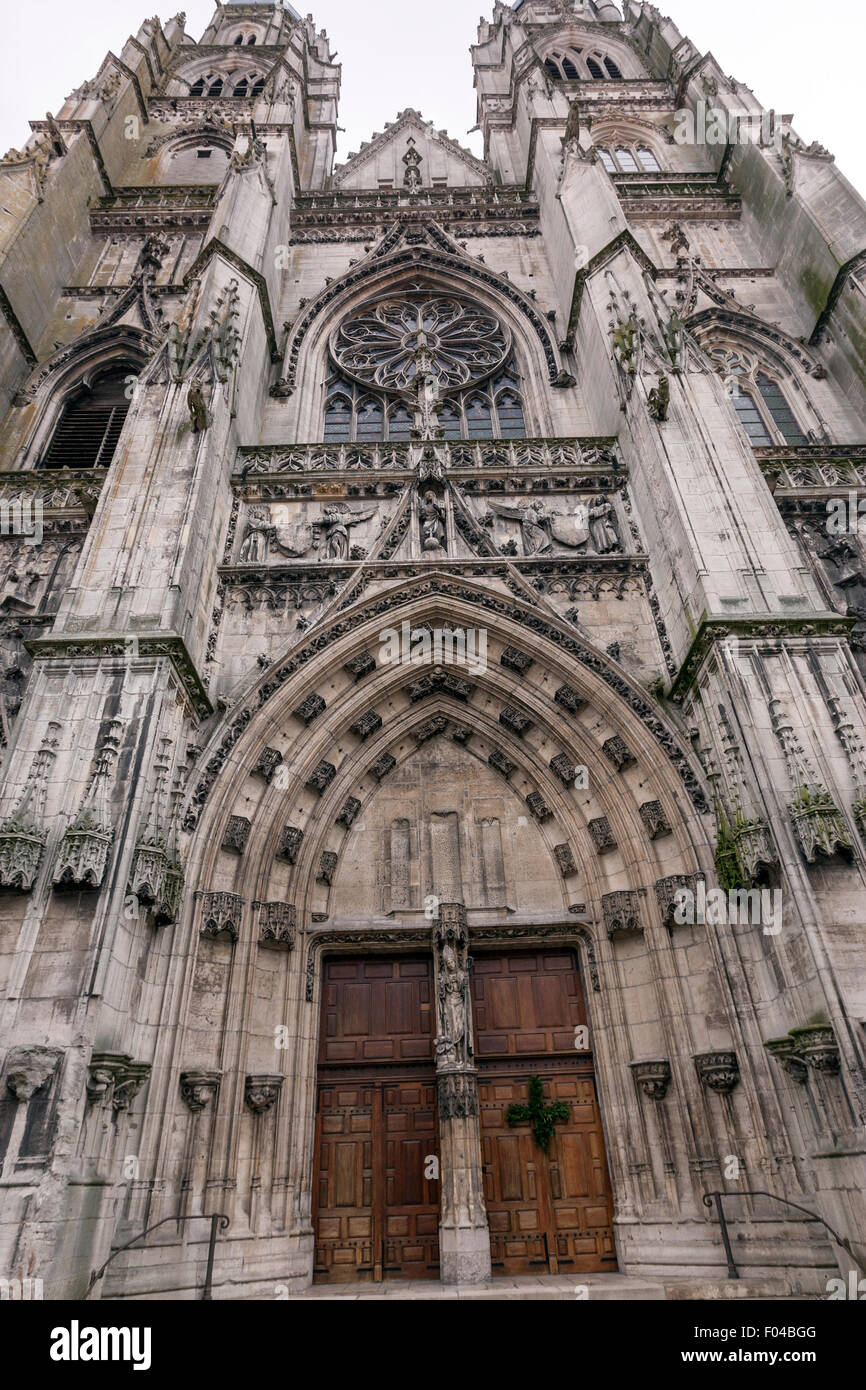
[
  {"x": 539, "y": 807},
  {"x": 655, "y": 820},
  {"x": 310, "y": 709},
  {"x": 617, "y": 752},
  {"x": 498, "y": 760},
  {"x": 383, "y": 766},
  {"x": 321, "y": 777},
  {"x": 349, "y": 812},
  {"x": 515, "y": 721},
  {"x": 514, "y": 660},
  {"x": 565, "y": 860},
  {"x": 268, "y": 761},
  {"x": 327, "y": 867},
  {"x": 29, "y": 1066}
]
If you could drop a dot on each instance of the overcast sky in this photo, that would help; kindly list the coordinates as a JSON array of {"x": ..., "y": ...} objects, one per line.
[{"x": 797, "y": 55}]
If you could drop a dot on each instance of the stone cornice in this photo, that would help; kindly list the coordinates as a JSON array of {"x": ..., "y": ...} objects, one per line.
[
  {"x": 770, "y": 629},
  {"x": 130, "y": 646}
]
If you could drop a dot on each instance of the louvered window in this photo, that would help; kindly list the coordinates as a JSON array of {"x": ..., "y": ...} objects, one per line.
[{"x": 89, "y": 428}]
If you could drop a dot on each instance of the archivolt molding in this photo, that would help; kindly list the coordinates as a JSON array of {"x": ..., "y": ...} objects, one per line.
[
  {"x": 403, "y": 253},
  {"x": 401, "y": 736},
  {"x": 439, "y": 601},
  {"x": 771, "y": 342}
]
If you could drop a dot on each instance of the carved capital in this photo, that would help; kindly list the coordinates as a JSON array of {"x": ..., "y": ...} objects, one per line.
[
  {"x": 652, "y": 1078},
  {"x": 718, "y": 1071},
  {"x": 198, "y": 1088},
  {"x": 262, "y": 1092}
]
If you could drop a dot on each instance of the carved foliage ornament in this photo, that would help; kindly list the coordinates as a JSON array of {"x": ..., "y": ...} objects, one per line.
[{"x": 382, "y": 346}]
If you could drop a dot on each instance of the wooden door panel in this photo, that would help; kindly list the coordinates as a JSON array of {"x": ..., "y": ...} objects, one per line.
[
  {"x": 376, "y": 1214},
  {"x": 552, "y": 1211}
]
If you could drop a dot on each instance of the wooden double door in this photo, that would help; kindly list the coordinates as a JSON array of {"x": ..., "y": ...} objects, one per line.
[{"x": 376, "y": 1196}]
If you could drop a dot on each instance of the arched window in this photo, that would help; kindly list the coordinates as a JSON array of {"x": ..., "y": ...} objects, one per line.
[
  {"x": 613, "y": 69},
  {"x": 258, "y": 87},
  {"x": 401, "y": 422},
  {"x": 629, "y": 159},
  {"x": 89, "y": 427},
  {"x": 562, "y": 67},
  {"x": 370, "y": 420},
  {"x": 197, "y": 88},
  {"x": 216, "y": 89},
  {"x": 239, "y": 39},
  {"x": 241, "y": 88},
  {"x": 338, "y": 420},
  {"x": 451, "y": 421},
  {"x": 626, "y": 160},
  {"x": 595, "y": 69},
  {"x": 251, "y": 40},
  {"x": 479, "y": 424},
  {"x": 510, "y": 413},
  {"x": 758, "y": 399}
]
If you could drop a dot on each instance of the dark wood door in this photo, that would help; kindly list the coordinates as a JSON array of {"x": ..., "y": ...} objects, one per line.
[
  {"x": 547, "y": 1212},
  {"x": 376, "y": 1213}
]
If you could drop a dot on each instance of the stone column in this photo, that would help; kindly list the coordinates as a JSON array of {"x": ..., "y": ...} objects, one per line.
[{"x": 464, "y": 1240}]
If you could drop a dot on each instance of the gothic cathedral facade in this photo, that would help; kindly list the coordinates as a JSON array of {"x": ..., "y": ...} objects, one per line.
[{"x": 433, "y": 823}]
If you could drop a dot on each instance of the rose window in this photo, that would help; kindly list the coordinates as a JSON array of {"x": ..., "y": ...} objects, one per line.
[{"x": 387, "y": 346}]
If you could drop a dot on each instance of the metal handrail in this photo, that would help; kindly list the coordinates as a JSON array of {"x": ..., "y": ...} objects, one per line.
[
  {"x": 213, "y": 1217},
  {"x": 715, "y": 1198}
]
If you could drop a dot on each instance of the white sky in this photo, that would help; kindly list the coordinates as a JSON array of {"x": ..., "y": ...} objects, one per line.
[{"x": 800, "y": 56}]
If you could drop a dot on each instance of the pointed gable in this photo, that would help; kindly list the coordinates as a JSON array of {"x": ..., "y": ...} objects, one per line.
[{"x": 408, "y": 154}]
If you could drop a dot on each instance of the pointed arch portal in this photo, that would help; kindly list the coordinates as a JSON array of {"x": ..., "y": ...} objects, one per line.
[{"x": 358, "y": 796}]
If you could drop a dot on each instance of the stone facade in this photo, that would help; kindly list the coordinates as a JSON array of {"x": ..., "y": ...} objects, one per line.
[{"x": 601, "y": 435}]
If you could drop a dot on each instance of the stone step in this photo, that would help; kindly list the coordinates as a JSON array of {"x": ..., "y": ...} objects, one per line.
[{"x": 591, "y": 1287}]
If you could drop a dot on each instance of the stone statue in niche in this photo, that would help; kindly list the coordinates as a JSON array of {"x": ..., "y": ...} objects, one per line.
[
  {"x": 431, "y": 520},
  {"x": 602, "y": 526}
]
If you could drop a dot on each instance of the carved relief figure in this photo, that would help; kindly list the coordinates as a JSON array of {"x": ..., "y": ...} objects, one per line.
[
  {"x": 602, "y": 526},
  {"x": 540, "y": 526}
]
